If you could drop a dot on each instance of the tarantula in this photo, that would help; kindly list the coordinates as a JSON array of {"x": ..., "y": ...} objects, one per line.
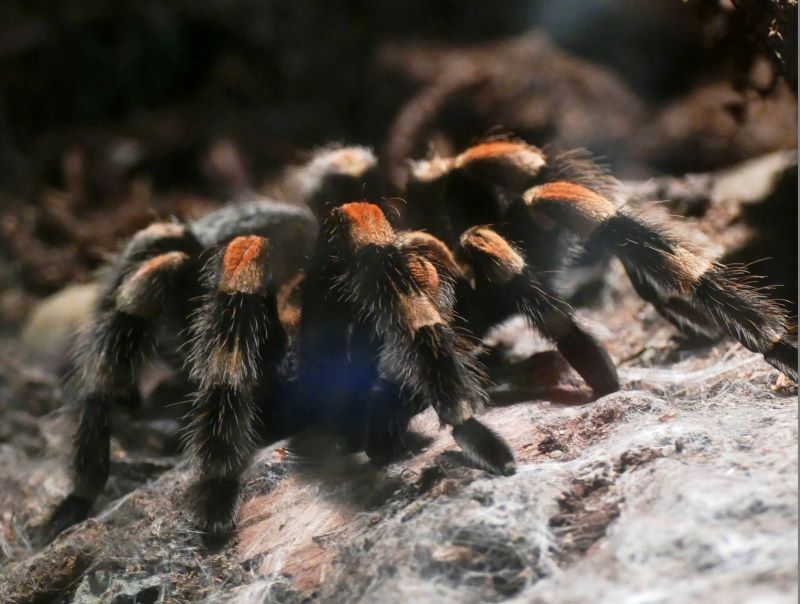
[{"x": 358, "y": 316}]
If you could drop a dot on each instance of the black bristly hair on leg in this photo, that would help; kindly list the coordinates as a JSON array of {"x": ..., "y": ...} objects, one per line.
[
  {"x": 589, "y": 358},
  {"x": 330, "y": 387},
  {"x": 119, "y": 338},
  {"x": 323, "y": 365},
  {"x": 116, "y": 347},
  {"x": 388, "y": 415},
  {"x": 483, "y": 447},
  {"x": 580, "y": 167},
  {"x": 672, "y": 269},
  {"x": 748, "y": 315},
  {"x": 238, "y": 348},
  {"x": 726, "y": 294},
  {"x": 687, "y": 318}
]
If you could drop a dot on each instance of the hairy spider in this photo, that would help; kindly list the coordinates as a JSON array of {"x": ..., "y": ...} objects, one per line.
[{"x": 327, "y": 313}]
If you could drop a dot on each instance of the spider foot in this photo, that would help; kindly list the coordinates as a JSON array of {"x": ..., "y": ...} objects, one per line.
[
  {"x": 783, "y": 356},
  {"x": 484, "y": 448},
  {"x": 590, "y": 360},
  {"x": 219, "y": 497},
  {"x": 72, "y": 510}
]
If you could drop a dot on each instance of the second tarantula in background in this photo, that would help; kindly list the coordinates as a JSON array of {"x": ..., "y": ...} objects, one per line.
[{"x": 330, "y": 313}]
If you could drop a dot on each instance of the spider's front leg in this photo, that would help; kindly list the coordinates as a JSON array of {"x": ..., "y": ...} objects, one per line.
[
  {"x": 238, "y": 348},
  {"x": 155, "y": 265},
  {"x": 671, "y": 270},
  {"x": 504, "y": 285},
  {"x": 422, "y": 360}
]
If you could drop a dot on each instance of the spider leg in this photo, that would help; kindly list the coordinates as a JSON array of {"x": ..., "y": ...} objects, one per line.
[
  {"x": 507, "y": 285},
  {"x": 671, "y": 268},
  {"x": 323, "y": 363},
  {"x": 394, "y": 290},
  {"x": 388, "y": 416},
  {"x": 110, "y": 352},
  {"x": 436, "y": 363},
  {"x": 238, "y": 346},
  {"x": 687, "y": 318}
]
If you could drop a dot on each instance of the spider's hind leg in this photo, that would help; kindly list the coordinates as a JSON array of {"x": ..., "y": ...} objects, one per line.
[
  {"x": 673, "y": 270},
  {"x": 238, "y": 346}
]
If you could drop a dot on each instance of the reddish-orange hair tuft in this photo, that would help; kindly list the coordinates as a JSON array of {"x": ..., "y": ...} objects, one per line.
[
  {"x": 240, "y": 253},
  {"x": 492, "y": 149},
  {"x": 570, "y": 191},
  {"x": 366, "y": 222}
]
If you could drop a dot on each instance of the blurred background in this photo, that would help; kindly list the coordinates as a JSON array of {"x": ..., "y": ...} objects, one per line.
[{"x": 113, "y": 114}]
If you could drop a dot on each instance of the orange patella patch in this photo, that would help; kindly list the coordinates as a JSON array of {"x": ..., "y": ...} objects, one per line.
[
  {"x": 243, "y": 265},
  {"x": 508, "y": 164},
  {"x": 161, "y": 262},
  {"x": 580, "y": 209},
  {"x": 367, "y": 223},
  {"x": 160, "y": 230},
  {"x": 499, "y": 261},
  {"x": 241, "y": 252},
  {"x": 424, "y": 274},
  {"x": 490, "y": 243},
  {"x": 570, "y": 191},
  {"x": 492, "y": 149}
]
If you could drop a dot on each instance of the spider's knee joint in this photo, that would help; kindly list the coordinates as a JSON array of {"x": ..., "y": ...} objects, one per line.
[
  {"x": 484, "y": 447},
  {"x": 510, "y": 164},
  {"x": 576, "y": 207},
  {"x": 360, "y": 224},
  {"x": 142, "y": 293},
  {"x": 490, "y": 255},
  {"x": 244, "y": 265}
]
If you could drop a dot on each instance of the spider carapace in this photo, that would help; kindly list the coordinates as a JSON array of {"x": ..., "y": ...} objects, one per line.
[{"x": 347, "y": 314}]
